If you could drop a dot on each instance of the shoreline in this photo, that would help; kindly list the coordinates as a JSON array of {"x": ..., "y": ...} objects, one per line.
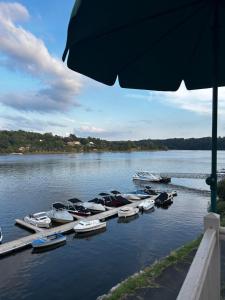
[{"x": 78, "y": 152}]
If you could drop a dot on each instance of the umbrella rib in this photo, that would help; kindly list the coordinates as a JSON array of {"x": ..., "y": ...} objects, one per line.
[
  {"x": 134, "y": 23},
  {"x": 146, "y": 51}
]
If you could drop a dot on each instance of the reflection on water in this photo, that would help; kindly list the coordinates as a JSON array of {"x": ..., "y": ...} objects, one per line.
[
  {"x": 49, "y": 248},
  {"x": 87, "y": 235},
  {"x": 127, "y": 219},
  {"x": 31, "y": 183}
]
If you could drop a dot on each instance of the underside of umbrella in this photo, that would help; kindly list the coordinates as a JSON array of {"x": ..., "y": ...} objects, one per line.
[
  {"x": 150, "y": 45},
  {"x": 153, "y": 45}
]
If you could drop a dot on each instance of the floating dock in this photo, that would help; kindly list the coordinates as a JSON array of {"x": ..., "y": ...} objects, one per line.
[
  {"x": 28, "y": 226},
  {"x": 189, "y": 175},
  {"x": 26, "y": 241}
]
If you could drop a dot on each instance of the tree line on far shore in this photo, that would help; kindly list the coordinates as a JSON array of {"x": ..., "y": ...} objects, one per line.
[{"x": 32, "y": 142}]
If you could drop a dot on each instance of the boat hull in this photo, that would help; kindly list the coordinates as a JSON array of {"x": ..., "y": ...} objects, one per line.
[
  {"x": 77, "y": 213},
  {"x": 94, "y": 228},
  {"x": 128, "y": 212},
  {"x": 147, "y": 204},
  {"x": 61, "y": 217},
  {"x": 47, "y": 242},
  {"x": 94, "y": 207}
]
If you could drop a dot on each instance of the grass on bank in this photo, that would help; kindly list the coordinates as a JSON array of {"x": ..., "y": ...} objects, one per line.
[
  {"x": 221, "y": 211},
  {"x": 147, "y": 277}
]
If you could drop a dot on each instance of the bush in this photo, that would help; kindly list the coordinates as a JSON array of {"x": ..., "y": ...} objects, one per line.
[{"x": 221, "y": 189}]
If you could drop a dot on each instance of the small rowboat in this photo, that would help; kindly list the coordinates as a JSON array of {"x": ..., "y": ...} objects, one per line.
[
  {"x": 87, "y": 226},
  {"x": 48, "y": 241},
  {"x": 127, "y": 212}
]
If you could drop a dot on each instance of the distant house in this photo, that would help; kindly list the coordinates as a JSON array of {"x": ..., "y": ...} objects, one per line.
[
  {"x": 91, "y": 144},
  {"x": 73, "y": 143},
  {"x": 23, "y": 149}
]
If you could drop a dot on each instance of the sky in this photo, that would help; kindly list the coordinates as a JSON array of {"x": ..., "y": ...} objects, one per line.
[{"x": 39, "y": 93}]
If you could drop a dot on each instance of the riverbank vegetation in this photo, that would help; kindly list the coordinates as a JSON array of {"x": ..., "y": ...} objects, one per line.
[
  {"x": 221, "y": 201},
  {"x": 32, "y": 142}
]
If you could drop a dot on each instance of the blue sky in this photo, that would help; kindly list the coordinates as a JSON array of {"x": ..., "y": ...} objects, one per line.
[{"x": 47, "y": 97}]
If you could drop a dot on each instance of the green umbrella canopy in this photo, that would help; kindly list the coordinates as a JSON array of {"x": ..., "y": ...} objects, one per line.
[{"x": 152, "y": 45}]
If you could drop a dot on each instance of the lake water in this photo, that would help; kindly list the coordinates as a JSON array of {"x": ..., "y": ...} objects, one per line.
[{"x": 86, "y": 268}]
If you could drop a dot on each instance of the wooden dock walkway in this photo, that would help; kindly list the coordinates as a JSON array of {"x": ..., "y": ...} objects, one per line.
[
  {"x": 28, "y": 226},
  {"x": 26, "y": 241}
]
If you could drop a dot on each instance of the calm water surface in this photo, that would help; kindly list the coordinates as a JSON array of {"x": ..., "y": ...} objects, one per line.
[{"x": 86, "y": 268}]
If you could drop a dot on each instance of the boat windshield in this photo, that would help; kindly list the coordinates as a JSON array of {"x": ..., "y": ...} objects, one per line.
[
  {"x": 83, "y": 223},
  {"x": 40, "y": 215},
  {"x": 147, "y": 174}
]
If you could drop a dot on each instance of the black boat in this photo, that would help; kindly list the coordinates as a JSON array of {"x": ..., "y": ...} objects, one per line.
[
  {"x": 150, "y": 191},
  {"x": 74, "y": 200},
  {"x": 164, "y": 199},
  {"x": 110, "y": 200},
  {"x": 75, "y": 208}
]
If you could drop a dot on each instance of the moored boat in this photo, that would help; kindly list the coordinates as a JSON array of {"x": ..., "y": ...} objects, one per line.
[
  {"x": 50, "y": 240},
  {"x": 94, "y": 207},
  {"x": 76, "y": 208},
  {"x": 1, "y": 235},
  {"x": 147, "y": 204},
  {"x": 74, "y": 201},
  {"x": 111, "y": 201},
  {"x": 149, "y": 177},
  {"x": 164, "y": 199},
  {"x": 129, "y": 196},
  {"x": 87, "y": 226},
  {"x": 125, "y": 212},
  {"x": 59, "y": 214},
  {"x": 39, "y": 219}
]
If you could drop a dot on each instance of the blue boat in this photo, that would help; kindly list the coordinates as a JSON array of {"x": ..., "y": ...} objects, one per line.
[{"x": 50, "y": 240}]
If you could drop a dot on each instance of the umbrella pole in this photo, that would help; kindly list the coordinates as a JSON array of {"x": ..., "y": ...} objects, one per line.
[
  {"x": 215, "y": 46},
  {"x": 213, "y": 183}
]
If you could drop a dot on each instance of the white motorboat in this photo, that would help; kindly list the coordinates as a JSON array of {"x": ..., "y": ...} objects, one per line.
[
  {"x": 50, "y": 240},
  {"x": 130, "y": 196},
  {"x": 94, "y": 207},
  {"x": 59, "y": 214},
  {"x": 149, "y": 177},
  {"x": 134, "y": 197},
  {"x": 125, "y": 212},
  {"x": 147, "y": 204},
  {"x": 1, "y": 235},
  {"x": 87, "y": 226},
  {"x": 38, "y": 219}
]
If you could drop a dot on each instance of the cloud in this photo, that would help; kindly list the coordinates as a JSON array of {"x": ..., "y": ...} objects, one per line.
[
  {"x": 198, "y": 101},
  {"x": 31, "y": 123},
  {"x": 24, "y": 52},
  {"x": 90, "y": 129}
]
